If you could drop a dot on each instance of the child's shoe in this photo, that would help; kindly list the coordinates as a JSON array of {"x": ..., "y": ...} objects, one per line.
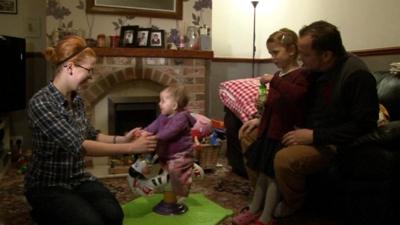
[
  {"x": 271, "y": 222},
  {"x": 259, "y": 223}
]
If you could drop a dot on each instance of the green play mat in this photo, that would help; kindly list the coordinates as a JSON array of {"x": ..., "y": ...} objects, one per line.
[{"x": 202, "y": 211}]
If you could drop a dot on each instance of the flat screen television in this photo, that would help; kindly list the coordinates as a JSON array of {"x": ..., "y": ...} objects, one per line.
[{"x": 12, "y": 74}]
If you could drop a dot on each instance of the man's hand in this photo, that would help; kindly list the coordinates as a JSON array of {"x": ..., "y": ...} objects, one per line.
[
  {"x": 298, "y": 137},
  {"x": 248, "y": 126}
]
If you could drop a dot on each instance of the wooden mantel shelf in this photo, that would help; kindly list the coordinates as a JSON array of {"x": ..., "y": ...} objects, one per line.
[{"x": 153, "y": 52}]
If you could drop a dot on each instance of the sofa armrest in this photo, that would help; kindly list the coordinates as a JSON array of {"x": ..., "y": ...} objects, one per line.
[
  {"x": 387, "y": 136},
  {"x": 388, "y": 87}
]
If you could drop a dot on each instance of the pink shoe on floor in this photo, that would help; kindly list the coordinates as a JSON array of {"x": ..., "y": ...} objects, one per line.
[
  {"x": 272, "y": 222},
  {"x": 245, "y": 217},
  {"x": 259, "y": 223}
]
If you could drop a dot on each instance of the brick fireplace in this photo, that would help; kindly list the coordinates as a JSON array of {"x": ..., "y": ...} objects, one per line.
[{"x": 133, "y": 77}]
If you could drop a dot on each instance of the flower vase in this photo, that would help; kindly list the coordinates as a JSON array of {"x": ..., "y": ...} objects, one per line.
[{"x": 192, "y": 34}]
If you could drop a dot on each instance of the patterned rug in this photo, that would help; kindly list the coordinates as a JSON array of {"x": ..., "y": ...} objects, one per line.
[{"x": 221, "y": 186}]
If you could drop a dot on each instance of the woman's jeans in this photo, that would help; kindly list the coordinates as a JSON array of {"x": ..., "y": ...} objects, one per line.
[{"x": 87, "y": 204}]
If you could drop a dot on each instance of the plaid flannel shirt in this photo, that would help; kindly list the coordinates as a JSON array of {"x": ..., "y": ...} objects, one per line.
[{"x": 58, "y": 131}]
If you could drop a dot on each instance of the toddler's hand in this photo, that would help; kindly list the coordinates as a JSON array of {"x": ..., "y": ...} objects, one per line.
[
  {"x": 145, "y": 133},
  {"x": 133, "y": 134}
]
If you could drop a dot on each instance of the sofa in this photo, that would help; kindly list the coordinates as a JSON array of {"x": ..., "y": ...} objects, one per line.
[{"x": 363, "y": 184}]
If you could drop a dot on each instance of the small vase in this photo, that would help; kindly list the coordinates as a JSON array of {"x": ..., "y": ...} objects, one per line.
[
  {"x": 114, "y": 41},
  {"x": 90, "y": 42},
  {"x": 192, "y": 34},
  {"x": 181, "y": 42}
]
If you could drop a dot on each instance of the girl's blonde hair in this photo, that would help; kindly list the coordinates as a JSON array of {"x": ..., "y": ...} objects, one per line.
[
  {"x": 179, "y": 92},
  {"x": 71, "y": 48},
  {"x": 285, "y": 37}
]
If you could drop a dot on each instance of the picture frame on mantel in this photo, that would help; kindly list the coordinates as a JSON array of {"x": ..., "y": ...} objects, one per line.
[
  {"x": 171, "y": 9},
  {"x": 8, "y": 6},
  {"x": 143, "y": 38},
  {"x": 128, "y": 36},
  {"x": 157, "y": 39}
]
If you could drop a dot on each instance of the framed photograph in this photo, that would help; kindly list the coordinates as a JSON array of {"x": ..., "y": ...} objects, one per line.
[
  {"x": 128, "y": 36},
  {"x": 157, "y": 38},
  {"x": 142, "y": 38},
  {"x": 171, "y": 9},
  {"x": 8, "y": 6}
]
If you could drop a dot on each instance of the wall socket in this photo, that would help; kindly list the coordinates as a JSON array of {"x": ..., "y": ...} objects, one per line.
[{"x": 15, "y": 139}]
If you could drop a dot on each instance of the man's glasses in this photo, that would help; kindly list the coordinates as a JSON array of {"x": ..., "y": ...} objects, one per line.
[{"x": 90, "y": 71}]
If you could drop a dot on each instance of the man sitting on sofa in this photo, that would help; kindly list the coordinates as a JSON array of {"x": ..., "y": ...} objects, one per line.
[{"x": 344, "y": 106}]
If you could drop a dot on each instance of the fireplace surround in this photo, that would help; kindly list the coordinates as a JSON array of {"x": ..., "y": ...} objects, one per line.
[{"x": 127, "y": 112}]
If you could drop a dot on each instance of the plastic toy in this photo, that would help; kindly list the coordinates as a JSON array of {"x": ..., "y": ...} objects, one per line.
[{"x": 146, "y": 177}]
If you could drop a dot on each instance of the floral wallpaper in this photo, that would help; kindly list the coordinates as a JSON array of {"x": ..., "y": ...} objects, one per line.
[
  {"x": 200, "y": 6},
  {"x": 65, "y": 17}
]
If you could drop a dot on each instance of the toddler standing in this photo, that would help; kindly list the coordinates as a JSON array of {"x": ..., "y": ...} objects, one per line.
[{"x": 172, "y": 129}]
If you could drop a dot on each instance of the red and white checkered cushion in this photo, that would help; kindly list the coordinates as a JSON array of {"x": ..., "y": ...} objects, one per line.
[{"x": 240, "y": 96}]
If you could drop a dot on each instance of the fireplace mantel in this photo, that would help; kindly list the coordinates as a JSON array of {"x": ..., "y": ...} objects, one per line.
[
  {"x": 117, "y": 67},
  {"x": 153, "y": 52}
]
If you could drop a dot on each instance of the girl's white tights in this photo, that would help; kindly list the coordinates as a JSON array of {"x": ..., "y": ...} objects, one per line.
[{"x": 266, "y": 197}]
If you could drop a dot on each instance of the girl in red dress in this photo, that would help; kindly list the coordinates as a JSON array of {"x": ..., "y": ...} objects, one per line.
[{"x": 283, "y": 109}]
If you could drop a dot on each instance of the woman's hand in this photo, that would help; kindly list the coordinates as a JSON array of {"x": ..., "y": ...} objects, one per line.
[
  {"x": 298, "y": 137},
  {"x": 248, "y": 126},
  {"x": 144, "y": 143}
]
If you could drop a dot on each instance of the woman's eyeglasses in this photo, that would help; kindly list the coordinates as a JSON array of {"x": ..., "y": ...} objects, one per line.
[{"x": 90, "y": 71}]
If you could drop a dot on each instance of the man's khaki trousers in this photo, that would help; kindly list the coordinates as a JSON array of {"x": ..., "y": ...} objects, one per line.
[{"x": 292, "y": 164}]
